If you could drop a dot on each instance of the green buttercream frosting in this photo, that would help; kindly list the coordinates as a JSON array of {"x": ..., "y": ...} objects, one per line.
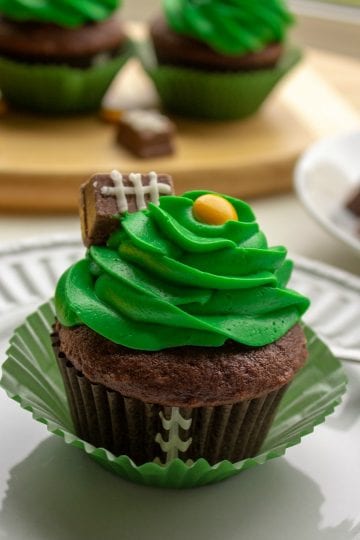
[
  {"x": 232, "y": 27},
  {"x": 166, "y": 280},
  {"x": 69, "y": 13}
]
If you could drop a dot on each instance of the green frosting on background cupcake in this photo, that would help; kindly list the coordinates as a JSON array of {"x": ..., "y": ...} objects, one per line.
[
  {"x": 167, "y": 280},
  {"x": 69, "y": 13},
  {"x": 230, "y": 26}
]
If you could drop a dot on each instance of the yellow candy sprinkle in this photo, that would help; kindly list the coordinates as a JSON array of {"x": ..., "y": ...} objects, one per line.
[{"x": 213, "y": 210}]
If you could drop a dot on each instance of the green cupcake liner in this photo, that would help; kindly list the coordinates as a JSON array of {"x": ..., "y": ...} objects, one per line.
[
  {"x": 55, "y": 89},
  {"x": 214, "y": 95},
  {"x": 31, "y": 377}
]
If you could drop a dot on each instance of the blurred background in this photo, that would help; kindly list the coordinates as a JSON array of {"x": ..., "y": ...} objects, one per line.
[
  {"x": 329, "y": 24},
  {"x": 322, "y": 96}
]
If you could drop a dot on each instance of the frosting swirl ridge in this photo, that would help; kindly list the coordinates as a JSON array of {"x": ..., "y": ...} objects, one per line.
[
  {"x": 167, "y": 280},
  {"x": 231, "y": 27},
  {"x": 69, "y": 13}
]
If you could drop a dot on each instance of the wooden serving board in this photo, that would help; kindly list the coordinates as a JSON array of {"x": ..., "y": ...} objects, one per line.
[{"x": 44, "y": 160}]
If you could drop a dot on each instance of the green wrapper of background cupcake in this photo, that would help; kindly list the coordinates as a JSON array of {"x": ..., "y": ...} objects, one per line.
[
  {"x": 219, "y": 59},
  {"x": 59, "y": 57}
]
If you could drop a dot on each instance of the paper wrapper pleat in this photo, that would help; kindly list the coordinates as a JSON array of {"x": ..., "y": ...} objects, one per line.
[
  {"x": 31, "y": 376},
  {"x": 214, "y": 95},
  {"x": 57, "y": 89},
  {"x": 129, "y": 426}
]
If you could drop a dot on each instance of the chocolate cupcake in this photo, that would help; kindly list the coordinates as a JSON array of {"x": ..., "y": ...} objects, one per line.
[
  {"x": 59, "y": 57},
  {"x": 176, "y": 336},
  {"x": 219, "y": 59}
]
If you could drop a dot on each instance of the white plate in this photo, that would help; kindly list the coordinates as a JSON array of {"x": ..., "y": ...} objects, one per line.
[
  {"x": 51, "y": 491},
  {"x": 325, "y": 176}
]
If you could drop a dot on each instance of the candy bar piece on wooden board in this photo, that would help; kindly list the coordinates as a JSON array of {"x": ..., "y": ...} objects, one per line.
[
  {"x": 106, "y": 196},
  {"x": 146, "y": 133},
  {"x": 353, "y": 203}
]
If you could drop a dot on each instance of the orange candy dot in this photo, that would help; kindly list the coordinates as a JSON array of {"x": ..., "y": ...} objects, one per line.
[
  {"x": 111, "y": 116},
  {"x": 213, "y": 210}
]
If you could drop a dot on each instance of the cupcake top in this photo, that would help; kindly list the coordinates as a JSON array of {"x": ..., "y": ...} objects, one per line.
[
  {"x": 187, "y": 270},
  {"x": 232, "y": 27},
  {"x": 69, "y": 13}
]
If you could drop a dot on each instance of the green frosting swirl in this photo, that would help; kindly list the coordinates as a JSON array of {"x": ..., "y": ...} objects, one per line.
[
  {"x": 69, "y": 13},
  {"x": 230, "y": 26},
  {"x": 167, "y": 280}
]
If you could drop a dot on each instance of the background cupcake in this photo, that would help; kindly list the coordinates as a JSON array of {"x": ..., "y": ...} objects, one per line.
[
  {"x": 176, "y": 336},
  {"x": 59, "y": 57},
  {"x": 220, "y": 59}
]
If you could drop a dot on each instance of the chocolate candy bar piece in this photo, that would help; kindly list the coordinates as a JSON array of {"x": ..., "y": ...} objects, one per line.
[
  {"x": 353, "y": 204},
  {"x": 106, "y": 196},
  {"x": 146, "y": 133}
]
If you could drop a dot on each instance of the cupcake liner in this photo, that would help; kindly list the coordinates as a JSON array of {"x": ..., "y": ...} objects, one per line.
[
  {"x": 31, "y": 376},
  {"x": 149, "y": 432},
  {"x": 57, "y": 89},
  {"x": 214, "y": 95}
]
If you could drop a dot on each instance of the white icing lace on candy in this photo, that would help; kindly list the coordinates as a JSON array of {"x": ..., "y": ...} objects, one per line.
[
  {"x": 150, "y": 120},
  {"x": 154, "y": 190}
]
